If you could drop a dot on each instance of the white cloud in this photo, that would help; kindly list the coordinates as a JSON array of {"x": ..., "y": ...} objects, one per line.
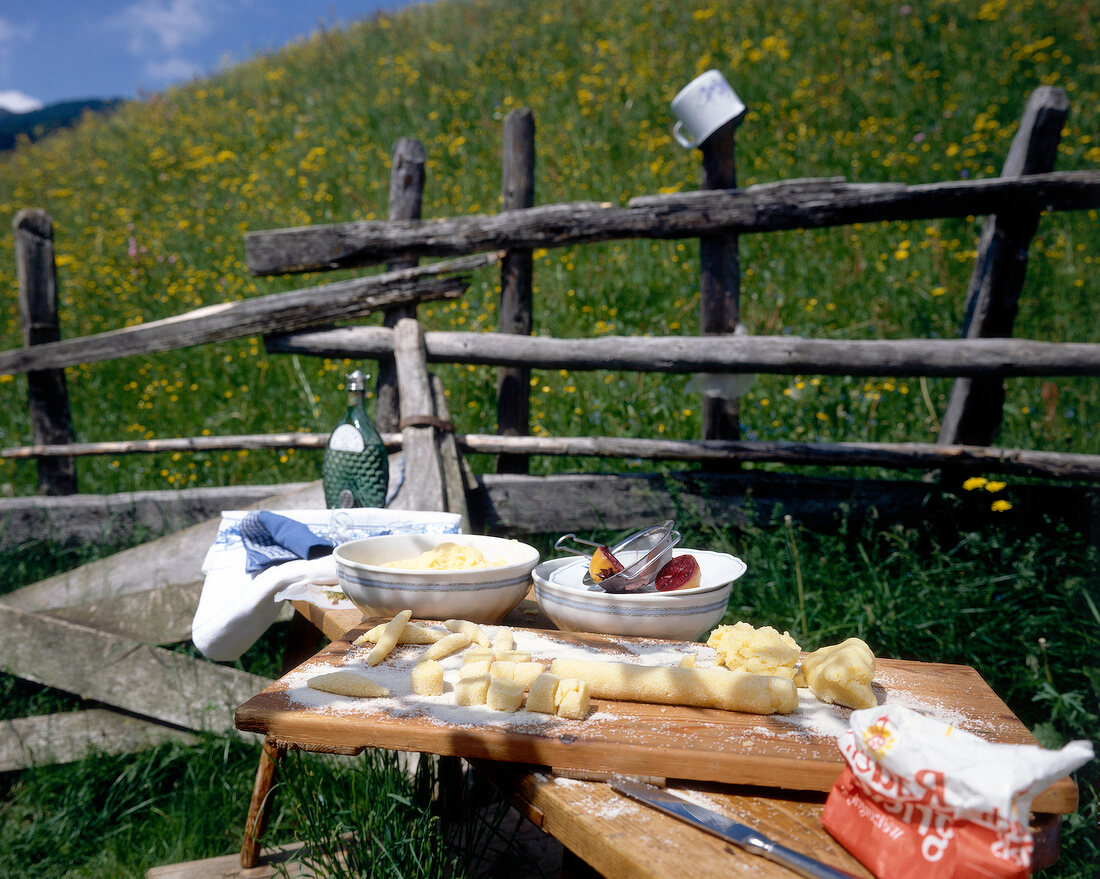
[
  {"x": 156, "y": 26},
  {"x": 17, "y": 102},
  {"x": 171, "y": 70}
]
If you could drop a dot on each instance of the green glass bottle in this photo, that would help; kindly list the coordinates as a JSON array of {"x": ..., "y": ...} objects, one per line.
[{"x": 355, "y": 470}]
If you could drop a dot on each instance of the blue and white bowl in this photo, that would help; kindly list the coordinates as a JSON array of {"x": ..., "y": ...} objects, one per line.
[
  {"x": 481, "y": 595},
  {"x": 683, "y": 615}
]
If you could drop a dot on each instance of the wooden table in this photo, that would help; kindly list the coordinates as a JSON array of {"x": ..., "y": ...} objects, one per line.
[{"x": 616, "y": 836}]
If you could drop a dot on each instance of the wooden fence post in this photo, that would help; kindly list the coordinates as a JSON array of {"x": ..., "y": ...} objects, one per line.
[
  {"x": 975, "y": 407},
  {"x": 47, "y": 392},
  {"x": 517, "y": 268},
  {"x": 406, "y": 199},
  {"x": 720, "y": 278}
]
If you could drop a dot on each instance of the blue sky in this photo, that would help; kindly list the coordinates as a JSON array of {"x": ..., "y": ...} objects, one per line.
[{"x": 58, "y": 50}]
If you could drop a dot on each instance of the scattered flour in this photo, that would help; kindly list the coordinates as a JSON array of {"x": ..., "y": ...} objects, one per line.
[{"x": 812, "y": 721}]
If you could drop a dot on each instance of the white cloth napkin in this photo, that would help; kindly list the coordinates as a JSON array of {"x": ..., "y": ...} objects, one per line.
[{"x": 235, "y": 609}]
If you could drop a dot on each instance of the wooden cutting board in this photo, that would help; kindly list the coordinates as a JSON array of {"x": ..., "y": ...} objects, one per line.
[{"x": 794, "y": 752}]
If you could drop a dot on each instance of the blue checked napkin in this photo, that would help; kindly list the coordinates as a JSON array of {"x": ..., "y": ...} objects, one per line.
[{"x": 270, "y": 539}]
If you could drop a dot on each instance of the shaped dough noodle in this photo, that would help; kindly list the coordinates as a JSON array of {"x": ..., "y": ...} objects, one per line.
[
  {"x": 699, "y": 687},
  {"x": 411, "y": 634},
  {"x": 842, "y": 674},
  {"x": 347, "y": 683}
]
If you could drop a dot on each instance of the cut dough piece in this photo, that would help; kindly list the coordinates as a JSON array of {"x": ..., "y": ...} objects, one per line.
[
  {"x": 503, "y": 669},
  {"x": 472, "y": 691},
  {"x": 526, "y": 672},
  {"x": 389, "y": 637},
  {"x": 478, "y": 669},
  {"x": 411, "y": 634},
  {"x": 475, "y": 654},
  {"x": 699, "y": 687},
  {"x": 511, "y": 655},
  {"x": 477, "y": 634},
  {"x": 347, "y": 683},
  {"x": 842, "y": 674},
  {"x": 541, "y": 697},
  {"x": 761, "y": 651},
  {"x": 573, "y": 698},
  {"x": 448, "y": 645},
  {"x": 427, "y": 678},
  {"x": 504, "y": 694}
]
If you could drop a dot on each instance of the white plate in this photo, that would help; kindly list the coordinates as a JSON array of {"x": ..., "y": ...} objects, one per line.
[{"x": 715, "y": 569}]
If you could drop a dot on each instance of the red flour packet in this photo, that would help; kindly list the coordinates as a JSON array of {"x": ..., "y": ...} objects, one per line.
[{"x": 920, "y": 799}]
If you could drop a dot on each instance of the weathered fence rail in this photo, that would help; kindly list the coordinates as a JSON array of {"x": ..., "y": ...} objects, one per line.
[{"x": 767, "y": 207}]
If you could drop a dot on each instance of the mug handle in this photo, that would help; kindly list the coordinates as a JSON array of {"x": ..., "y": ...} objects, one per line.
[{"x": 680, "y": 137}]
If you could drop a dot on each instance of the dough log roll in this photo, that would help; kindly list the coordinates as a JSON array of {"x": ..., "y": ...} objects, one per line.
[{"x": 698, "y": 687}]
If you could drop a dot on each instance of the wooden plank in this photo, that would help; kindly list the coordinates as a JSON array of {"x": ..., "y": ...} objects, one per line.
[
  {"x": 281, "y": 861},
  {"x": 516, "y": 282},
  {"x": 974, "y": 408},
  {"x": 762, "y": 208},
  {"x": 452, "y": 465},
  {"x": 423, "y": 488},
  {"x": 406, "y": 203},
  {"x": 740, "y": 354},
  {"x": 123, "y": 518},
  {"x": 174, "y": 560},
  {"x": 74, "y": 735},
  {"x": 618, "y": 837},
  {"x": 153, "y": 616},
  {"x": 794, "y": 752},
  {"x": 148, "y": 681},
  {"x": 720, "y": 278},
  {"x": 296, "y": 309},
  {"x": 51, "y": 420}
]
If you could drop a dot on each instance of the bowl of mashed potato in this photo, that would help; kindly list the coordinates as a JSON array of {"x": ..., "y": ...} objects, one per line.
[{"x": 437, "y": 576}]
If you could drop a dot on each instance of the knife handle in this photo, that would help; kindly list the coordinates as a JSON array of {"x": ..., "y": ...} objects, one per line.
[{"x": 802, "y": 864}]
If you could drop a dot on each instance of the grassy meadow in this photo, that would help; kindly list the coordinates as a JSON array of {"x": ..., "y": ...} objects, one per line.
[{"x": 150, "y": 206}]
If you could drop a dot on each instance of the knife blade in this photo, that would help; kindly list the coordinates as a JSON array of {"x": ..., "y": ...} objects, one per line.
[{"x": 741, "y": 835}]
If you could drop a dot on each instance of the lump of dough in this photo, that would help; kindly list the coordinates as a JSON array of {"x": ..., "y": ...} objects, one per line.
[
  {"x": 572, "y": 697},
  {"x": 541, "y": 696},
  {"x": 526, "y": 672},
  {"x": 760, "y": 651},
  {"x": 842, "y": 674},
  {"x": 698, "y": 687},
  {"x": 475, "y": 654},
  {"x": 427, "y": 678},
  {"x": 504, "y": 694},
  {"x": 347, "y": 683},
  {"x": 472, "y": 691},
  {"x": 478, "y": 669}
]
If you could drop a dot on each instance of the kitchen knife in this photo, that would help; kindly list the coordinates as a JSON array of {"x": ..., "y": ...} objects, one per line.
[{"x": 739, "y": 834}]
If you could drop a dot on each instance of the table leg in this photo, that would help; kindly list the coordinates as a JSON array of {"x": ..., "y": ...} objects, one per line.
[
  {"x": 302, "y": 641},
  {"x": 259, "y": 808}
]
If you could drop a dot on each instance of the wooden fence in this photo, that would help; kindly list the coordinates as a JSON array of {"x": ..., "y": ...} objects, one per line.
[{"x": 983, "y": 356}]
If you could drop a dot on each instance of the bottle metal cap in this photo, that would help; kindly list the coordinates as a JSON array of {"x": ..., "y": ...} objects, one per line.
[{"x": 356, "y": 381}]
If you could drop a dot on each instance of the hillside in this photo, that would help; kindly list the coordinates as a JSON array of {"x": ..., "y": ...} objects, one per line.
[
  {"x": 37, "y": 124},
  {"x": 151, "y": 202}
]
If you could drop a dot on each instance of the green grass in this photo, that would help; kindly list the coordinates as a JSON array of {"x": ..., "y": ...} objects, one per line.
[{"x": 151, "y": 205}]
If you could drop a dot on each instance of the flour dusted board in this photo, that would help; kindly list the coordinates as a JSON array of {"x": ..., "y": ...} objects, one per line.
[{"x": 796, "y": 751}]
